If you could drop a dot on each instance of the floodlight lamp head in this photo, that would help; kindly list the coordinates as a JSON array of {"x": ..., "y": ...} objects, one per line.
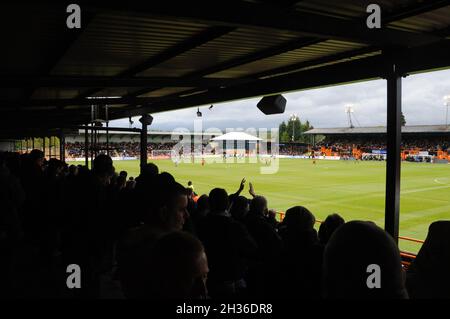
[
  {"x": 199, "y": 114},
  {"x": 447, "y": 100},
  {"x": 349, "y": 108}
]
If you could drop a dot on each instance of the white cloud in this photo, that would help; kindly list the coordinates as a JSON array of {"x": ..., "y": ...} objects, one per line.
[{"x": 422, "y": 104}]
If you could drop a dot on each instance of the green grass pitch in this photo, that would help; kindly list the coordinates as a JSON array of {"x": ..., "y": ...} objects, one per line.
[{"x": 354, "y": 190}]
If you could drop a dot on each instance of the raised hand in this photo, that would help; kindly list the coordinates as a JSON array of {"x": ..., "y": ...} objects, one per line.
[
  {"x": 241, "y": 186},
  {"x": 251, "y": 190}
]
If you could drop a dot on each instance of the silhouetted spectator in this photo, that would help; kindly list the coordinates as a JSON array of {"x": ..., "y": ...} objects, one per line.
[
  {"x": 228, "y": 246},
  {"x": 11, "y": 201},
  {"x": 263, "y": 275},
  {"x": 428, "y": 275},
  {"x": 121, "y": 182},
  {"x": 166, "y": 212},
  {"x": 303, "y": 256},
  {"x": 131, "y": 184},
  {"x": 177, "y": 268},
  {"x": 33, "y": 182},
  {"x": 203, "y": 206},
  {"x": 240, "y": 208},
  {"x": 88, "y": 236},
  {"x": 329, "y": 225},
  {"x": 124, "y": 174},
  {"x": 166, "y": 177},
  {"x": 353, "y": 249},
  {"x": 269, "y": 242},
  {"x": 201, "y": 210}
]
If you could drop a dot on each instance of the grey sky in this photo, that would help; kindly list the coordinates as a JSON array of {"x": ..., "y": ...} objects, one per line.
[{"x": 422, "y": 104}]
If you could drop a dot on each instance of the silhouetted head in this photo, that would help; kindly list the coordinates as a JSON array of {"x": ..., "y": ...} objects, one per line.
[
  {"x": 299, "y": 218},
  {"x": 169, "y": 205},
  {"x": 179, "y": 268},
  {"x": 150, "y": 169},
  {"x": 431, "y": 280},
  {"x": 329, "y": 225},
  {"x": 121, "y": 181},
  {"x": 124, "y": 174},
  {"x": 131, "y": 184},
  {"x": 55, "y": 167},
  {"x": 240, "y": 208},
  {"x": 36, "y": 158},
  {"x": 103, "y": 166},
  {"x": 73, "y": 170},
  {"x": 258, "y": 205},
  {"x": 148, "y": 176},
  {"x": 218, "y": 200},
  {"x": 203, "y": 205},
  {"x": 166, "y": 177},
  {"x": 359, "y": 257}
]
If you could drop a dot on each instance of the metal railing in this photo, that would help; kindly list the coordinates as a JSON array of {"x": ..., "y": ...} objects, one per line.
[{"x": 407, "y": 257}]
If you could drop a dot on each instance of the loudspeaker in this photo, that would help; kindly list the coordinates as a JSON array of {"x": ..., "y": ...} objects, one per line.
[
  {"x": 146, "y": 119},
  {"x": 274, "y": 104}
]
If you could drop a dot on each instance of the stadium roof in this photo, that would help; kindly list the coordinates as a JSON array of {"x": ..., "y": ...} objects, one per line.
[
  {"x": 236, "y": 136},
  {"x": 164, "y": 55},
  {"x": 164, "y": 133},
  {"x": 432, "y": 129}
]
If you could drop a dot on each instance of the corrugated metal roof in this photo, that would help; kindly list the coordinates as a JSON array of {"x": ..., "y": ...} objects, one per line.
[
  {"x": 413, "y": 129},
  {"x": 113, "y": 42},
  {"x": 356, "y": 9},
  {"x": 250, "y": 46},
  {"x": 221, "y": 50},
  {"x": 426, "y": 22},
  {"x": 157, "y": 133},
  {"x": 307, "y": 53}
]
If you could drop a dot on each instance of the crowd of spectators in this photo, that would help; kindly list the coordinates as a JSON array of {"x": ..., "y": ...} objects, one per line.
[
  {"x": 116, "y": 149},
  {"x": 158, "y": 239},
  {"x": 367, "y": 145},
  {"x": 342, "y": 146},
  {"x": 292, "y": 149}
]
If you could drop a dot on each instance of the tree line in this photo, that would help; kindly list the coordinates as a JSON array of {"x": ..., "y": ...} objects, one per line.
[{"x": 293, "y": 129}]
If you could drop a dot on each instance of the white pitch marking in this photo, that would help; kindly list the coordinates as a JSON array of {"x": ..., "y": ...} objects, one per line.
[{"x": 436, "y": 180}]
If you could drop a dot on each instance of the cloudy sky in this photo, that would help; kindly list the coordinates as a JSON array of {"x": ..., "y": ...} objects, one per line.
[{"x": 422, "y": 105}]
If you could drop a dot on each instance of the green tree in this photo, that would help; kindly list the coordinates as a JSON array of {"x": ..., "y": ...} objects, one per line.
[
  {"x": 284, "y": 137},
  {"x": 282, "y": 130},
  {"x": 403, "y": 120},
  {"x": 296, "y": 127}
]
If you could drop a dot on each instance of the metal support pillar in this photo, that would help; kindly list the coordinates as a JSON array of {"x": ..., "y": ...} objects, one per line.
[
  {"x": 92, "y": 145},
  {"x": 146, "y": 120},
  {"x": 107, "y": 130},
  {"x": 62, "y": 146},
  {"x": 394, "y": 109},
  {"x": 86, "y": 146},
  {"x": 49, "y": 147}
]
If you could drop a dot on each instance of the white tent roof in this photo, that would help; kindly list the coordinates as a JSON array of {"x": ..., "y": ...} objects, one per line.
[{"x": 236, "y": 136}]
